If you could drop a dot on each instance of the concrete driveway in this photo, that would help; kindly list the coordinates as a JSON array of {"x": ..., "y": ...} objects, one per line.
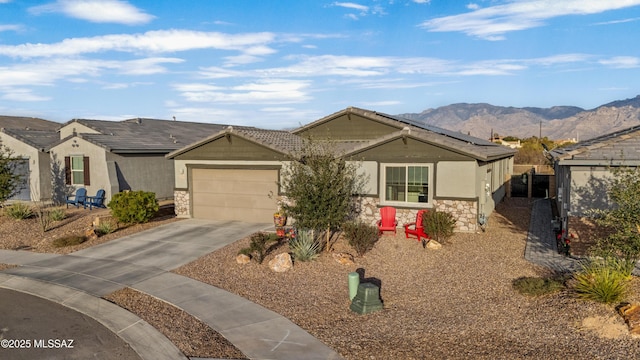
[
  {"x": 111, "y": 266},
  {"x": 143, "y": 261}
]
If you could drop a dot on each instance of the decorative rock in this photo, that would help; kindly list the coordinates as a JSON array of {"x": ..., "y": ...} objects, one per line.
[
  {"x": 91, "y": 234},
  {"x": 343, "y": 258},
  {"x": 243, "y": 259},
  {"x": 281, "y": 263},
  {"x": 631, "y": 315},
  {"x": 434, "y": 245}
]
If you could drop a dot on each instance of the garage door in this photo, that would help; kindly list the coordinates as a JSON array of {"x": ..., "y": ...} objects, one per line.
[
  {"x": 234, "y": 194},
  {"x": 22, "y": 169}
]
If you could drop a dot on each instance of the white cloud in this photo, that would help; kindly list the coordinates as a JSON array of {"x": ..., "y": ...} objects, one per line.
[
  {"x": 473, "y": 6},
  {"x": 274, "y": 91},
  {"x": 622, "y": 62},
  {"x": 9, "y": 27},
  {"x": 493, "y": 22},
  {"x": 354, "y": 6},
  {"x": 422, "y": 1},
  {"x": 22, "y": 95},
  {"x": 46, "y": 73},
  {"x": 161, "y": 41},
  {"x": 99, "y": 11}
]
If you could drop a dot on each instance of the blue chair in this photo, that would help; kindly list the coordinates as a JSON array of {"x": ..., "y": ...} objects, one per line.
[
  {"x": 96, "y": 201},
  {"x": 80, "y": 198}
]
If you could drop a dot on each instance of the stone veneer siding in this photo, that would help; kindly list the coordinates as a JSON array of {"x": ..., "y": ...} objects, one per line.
[
  {"x": 465, "y": 212},
  {"x": 181, "y": 202}
]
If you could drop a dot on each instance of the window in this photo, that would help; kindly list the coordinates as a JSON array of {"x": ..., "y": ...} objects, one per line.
[
  {"x": 406, "y": 184},
  {"x": 76, "y": 170}
]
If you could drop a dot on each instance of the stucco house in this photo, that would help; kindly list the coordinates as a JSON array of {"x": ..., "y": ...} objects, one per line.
[
  {"x": 121, "y": 155},
  {"x": 233, "y": 174},
  {"x": 28, "y": 139},
  {"x": 584, "y": 169}
]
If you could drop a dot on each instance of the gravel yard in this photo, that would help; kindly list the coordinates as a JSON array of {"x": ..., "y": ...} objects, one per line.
[{"x": 453, "y": 303}]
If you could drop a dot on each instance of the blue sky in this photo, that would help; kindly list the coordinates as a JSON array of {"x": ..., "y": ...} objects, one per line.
[{"x": 282, "y": 63}]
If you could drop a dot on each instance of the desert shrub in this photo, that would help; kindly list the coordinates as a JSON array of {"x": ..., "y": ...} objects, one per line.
[
  {"x": 305, "y": 246},
  {"x": 259, "y": 246},
  {"x": 536, "y": 286},
  {"x": 69, "y": 241},
  {"x": 19, "y": 211},
  {"x": 57, "y": 214},
  {"x": 362, "y": 237},
  {"x": 105, "y": 227},
  {"x": 603, "y": 280},
  {"x": 44, "y": 218},
  {"x": 438, "y": 224},
  {"x": 134, "y": 207}
]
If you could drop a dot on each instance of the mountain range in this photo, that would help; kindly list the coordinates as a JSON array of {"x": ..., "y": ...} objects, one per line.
[{"x": 556, "y": 123}]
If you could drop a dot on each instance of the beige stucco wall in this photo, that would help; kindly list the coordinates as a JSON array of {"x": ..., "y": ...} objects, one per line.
[
  {"x": 456, "y": 179},
  {"x": 97, "y": 167},
  {"x": 39, "y": 175},
  {"x": 588, "y": 189}
]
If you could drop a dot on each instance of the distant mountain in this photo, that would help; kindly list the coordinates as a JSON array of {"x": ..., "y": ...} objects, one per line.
[{"x": 557, "y": 122}]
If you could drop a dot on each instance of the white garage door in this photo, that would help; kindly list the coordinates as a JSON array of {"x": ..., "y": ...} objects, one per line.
[{"x": 234, "y": 194}]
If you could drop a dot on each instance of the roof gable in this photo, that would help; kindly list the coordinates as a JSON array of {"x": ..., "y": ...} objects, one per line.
[
  {"x": 397, "y": 126},
  {"x": 276, "y": 141}
]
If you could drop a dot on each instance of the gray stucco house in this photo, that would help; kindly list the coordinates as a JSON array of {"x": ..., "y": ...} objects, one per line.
[
  {"x": 28, "y": 139},
  {"x": 122, "y": 155},
  {"x": 233, "y": 174},
  {"x": 583, "y": 171}
]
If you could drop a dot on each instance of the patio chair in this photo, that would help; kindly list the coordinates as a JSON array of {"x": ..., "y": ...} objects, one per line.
[
  {"x": 417, "y": 228},
  {"x": 387, "y": 220},
  {"x": 80, "y": 198},
  {"x": 96, "y": 201}
]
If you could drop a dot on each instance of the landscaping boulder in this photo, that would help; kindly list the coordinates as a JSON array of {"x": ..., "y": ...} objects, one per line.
[
  {"x": 343, "y": 258},
  {"x": 433, "y": 245},
  {"x": 243, "y": 259},
  {"x": 281, "y": 263},
  {"x": 91, "y": 234},
  {"x": 631, "y": 315}
]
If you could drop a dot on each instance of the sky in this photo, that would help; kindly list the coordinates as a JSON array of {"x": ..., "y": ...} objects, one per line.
[{"x": 280, "y": 64}]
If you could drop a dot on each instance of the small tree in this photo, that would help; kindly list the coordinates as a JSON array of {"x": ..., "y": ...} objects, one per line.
[
  {"x": 11, "y": 182},
  {"x": 319, "y": 185},
  {"x": 623, "y": 220}
]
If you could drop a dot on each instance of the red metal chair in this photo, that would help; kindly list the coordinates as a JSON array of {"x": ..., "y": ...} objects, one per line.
[
  {"x": 387, "y": 220},
  {"x": 417, "y": 228}
]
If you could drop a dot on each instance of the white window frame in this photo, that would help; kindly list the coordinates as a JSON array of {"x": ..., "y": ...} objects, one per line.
[
  {"x": 73, "y": 171},
  {"x": 383, "y": 187}
]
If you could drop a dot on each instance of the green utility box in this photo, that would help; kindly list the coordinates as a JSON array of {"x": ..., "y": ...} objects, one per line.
[{"x": 367, "y": 299}]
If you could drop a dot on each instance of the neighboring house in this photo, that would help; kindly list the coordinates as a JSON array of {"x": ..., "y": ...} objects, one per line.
[
  {"x": 28, "y": 139},
  {"x": 121, "y": 155},
  {"x": 233, "y": 174},
  {"x": 583, "y": 170}
]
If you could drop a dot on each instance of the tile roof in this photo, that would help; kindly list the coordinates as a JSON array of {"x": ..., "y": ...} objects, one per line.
[
  {"x": 27, "y": 123},
  {"x": 142, "y": 135},
  {"x": 619, "y": 145},
  {"x": 39, "y": 139}
]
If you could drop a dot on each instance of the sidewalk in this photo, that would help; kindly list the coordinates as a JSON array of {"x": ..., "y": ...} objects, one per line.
[
  {"x": 541, "y": 246},
  {"x": 143, "y": 261}
]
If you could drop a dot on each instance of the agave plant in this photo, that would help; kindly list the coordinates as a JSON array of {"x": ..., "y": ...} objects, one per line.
[{"x": 304, "y": 246}]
